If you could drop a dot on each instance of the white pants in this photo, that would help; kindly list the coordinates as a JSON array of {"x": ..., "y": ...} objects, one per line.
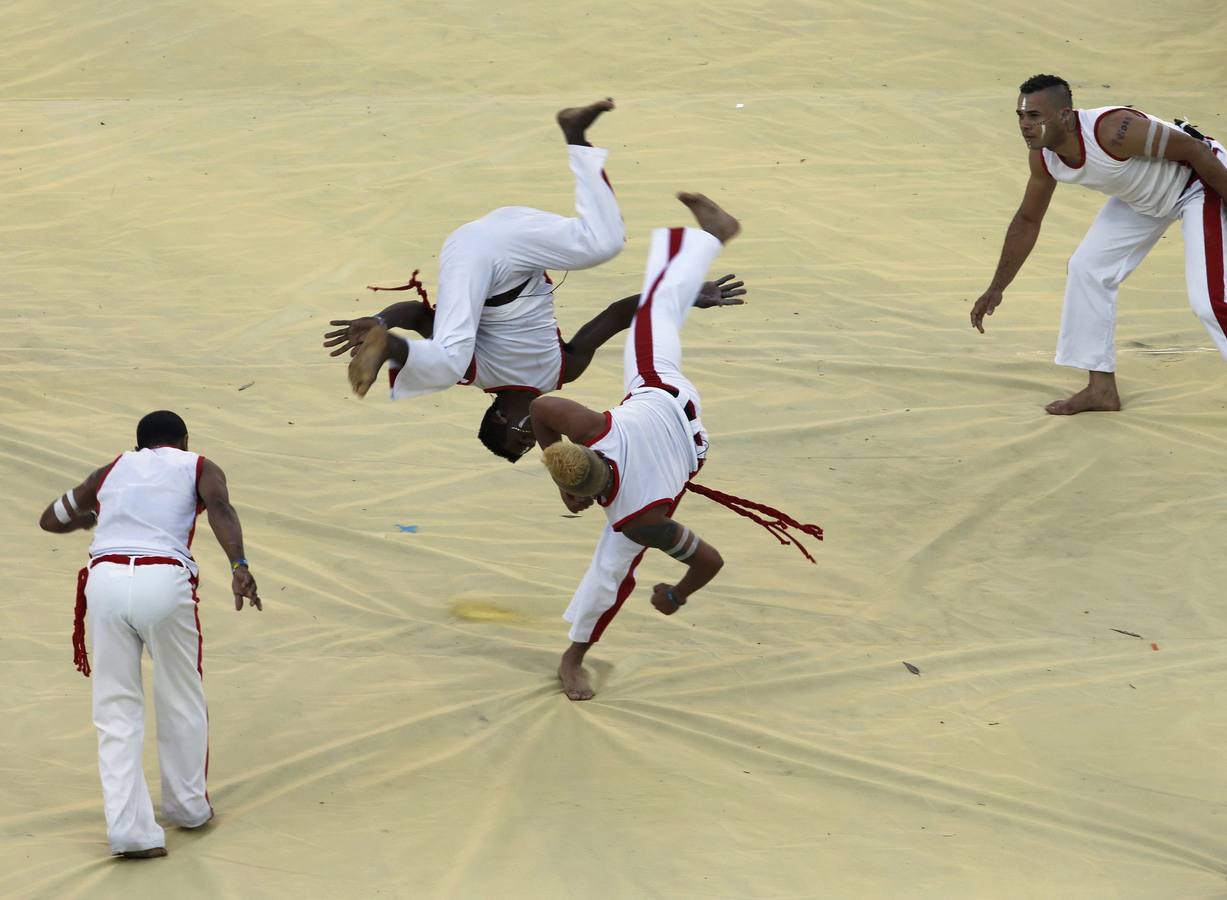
[
  {"x": 516, "y": 344},
  {"x": 131, "y": 607},
  {"x": 677, "y": 264},
  {"x": 1117, "y": 242},
  {"x": 534, "y": 239}
]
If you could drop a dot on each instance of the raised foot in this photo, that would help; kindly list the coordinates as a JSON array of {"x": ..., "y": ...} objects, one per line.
[
  {"x": 575, "y": 681},
  {"x": 364, "y": 367},
  {"x": 151, "y": 853},
  {"x": 576, "y": 120},
  {"x": 1086, "y": 400},
  {"x": 711, "y": 217}
]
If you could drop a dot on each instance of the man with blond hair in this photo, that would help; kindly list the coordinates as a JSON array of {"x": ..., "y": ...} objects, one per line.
[{"x": 637, "y": 459}]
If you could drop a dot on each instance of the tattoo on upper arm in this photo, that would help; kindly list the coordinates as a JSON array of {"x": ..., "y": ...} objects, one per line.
[
  {"x": 661, "y": 535},
  {"x": 668, "y": 536},
  {"x": 1119, "y": 138}
]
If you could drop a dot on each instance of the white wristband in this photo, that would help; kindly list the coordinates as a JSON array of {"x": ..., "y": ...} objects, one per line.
[{"x": 61, "y": 514}]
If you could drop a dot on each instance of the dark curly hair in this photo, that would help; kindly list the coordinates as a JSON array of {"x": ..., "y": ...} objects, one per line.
[{"x": 493, "y": 434}]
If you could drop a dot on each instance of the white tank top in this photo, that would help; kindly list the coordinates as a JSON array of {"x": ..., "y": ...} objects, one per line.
[
  {"x": 652, "y": 447},
  {"x": 147, "y": 505},
  {"x": 1150, "y": 186}
]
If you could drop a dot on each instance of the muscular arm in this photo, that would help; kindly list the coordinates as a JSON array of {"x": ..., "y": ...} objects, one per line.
[
  {"x": 702, "y": 560},
  {"x": 412, "y": 315},
  {"x": 556, "y": 417},
  {"x": 1020, "y": 238},
  {"x": 618, "y": 317},
  {"x": 1128, "y": 134},
  {"x": 85, "y": 498},
  {"x": 224, "y": 520},
  {"x": 580, "y": 349}
]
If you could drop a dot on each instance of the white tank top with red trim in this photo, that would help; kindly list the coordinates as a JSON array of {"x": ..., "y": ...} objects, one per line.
[
  {"x": 651, "y": 444},
  {"x": 147, "y": 505},
  {"x": 1150, "y": 186}
]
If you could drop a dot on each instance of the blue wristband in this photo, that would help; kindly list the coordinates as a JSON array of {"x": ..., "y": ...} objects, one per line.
[{"x": 234, "y": 566}]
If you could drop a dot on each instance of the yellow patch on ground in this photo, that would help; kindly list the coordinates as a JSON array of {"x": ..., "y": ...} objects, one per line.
[{"x": 483, "y": 611}]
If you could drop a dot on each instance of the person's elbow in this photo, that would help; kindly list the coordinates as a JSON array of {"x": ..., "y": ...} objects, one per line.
[
  {"x": 1028, "y": 218},
  {"x": 1203, "y": 158},
  {"x": 48, "y": 521},
  {"x": 220, "y": 512},
  {"x": 712, "y": 561},
  {"x": 454, "y": 369},
  {"x": 541, "y": 409}
]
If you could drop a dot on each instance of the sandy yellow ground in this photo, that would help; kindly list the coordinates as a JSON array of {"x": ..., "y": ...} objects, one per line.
[{"x": 191, "y": 190}]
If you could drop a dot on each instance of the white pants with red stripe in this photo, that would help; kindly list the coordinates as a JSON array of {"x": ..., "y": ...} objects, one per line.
[
  {"x": 131, "y": 607},
  {"x": 1116, "y": 244},
  {"x": 677, "y": 264}
]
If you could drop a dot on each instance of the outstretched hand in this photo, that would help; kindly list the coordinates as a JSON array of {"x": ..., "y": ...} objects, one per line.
[
  {"x": 988, "y": 301},
  {"x": 350, "y": 336},
  {"x": 721, "y": 293},
  {"x": 244, "y": 585}
]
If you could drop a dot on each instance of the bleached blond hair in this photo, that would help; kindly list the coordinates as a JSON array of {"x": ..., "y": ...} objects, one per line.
[{"x": 576, "y": 469}]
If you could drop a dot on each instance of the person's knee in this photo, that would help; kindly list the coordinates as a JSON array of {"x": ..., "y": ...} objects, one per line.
[
  {"x": 1087, "y": 268},
  {"x": 606, "y": 243}
]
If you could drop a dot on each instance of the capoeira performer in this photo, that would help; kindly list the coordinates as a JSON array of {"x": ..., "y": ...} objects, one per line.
[
  {"x": 1155, "y": 172},
  {"x": 494, "y": 324},
  {"x": 505, "y": 428},
  {"x": 637, "y": 460},
  {"x": 140, "y": 589}
]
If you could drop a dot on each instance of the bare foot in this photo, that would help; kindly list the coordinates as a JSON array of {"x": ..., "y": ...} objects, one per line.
[
  {"x": 1086, "y": 400},
  {"x": 364, "y": 367},
  {"x": 711, "y": 218},
  {"x": 576, "y": 120},
  {"x": 151, "y": 853},
  {"x": 571, "y": 671}
]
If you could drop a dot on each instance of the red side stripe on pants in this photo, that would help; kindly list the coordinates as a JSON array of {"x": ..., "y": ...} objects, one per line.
[
  {"x": 200, "y": 671},
  {"x": 1212, "y": 229},
  {"x": 624, "y": 591},
  {"x": 643, "y": 317},
  {"x": 628, "y": 582}
]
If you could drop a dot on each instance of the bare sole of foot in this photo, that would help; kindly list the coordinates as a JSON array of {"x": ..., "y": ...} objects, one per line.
[
  {"x": 575, "y": 120},
  {"x": 1084, "y": 401},
  {"x": 575, "y": 682},
  {"x": 364, "y": 367},
  {"x": 151, "y": 853},
  {"x": 711, "y": 218}
]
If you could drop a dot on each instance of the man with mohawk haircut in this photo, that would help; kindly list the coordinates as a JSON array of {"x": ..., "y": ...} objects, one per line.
[{"x": 1154, "y": 172}]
